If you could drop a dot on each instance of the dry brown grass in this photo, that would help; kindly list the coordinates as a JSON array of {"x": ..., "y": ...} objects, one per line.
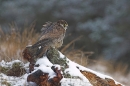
[
  {"x": 12, "y": 44},
  {"x": 76, "y": 55}
]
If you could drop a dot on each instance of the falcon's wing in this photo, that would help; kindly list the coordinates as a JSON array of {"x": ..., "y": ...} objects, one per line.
[{"x": 46, "y": 26}]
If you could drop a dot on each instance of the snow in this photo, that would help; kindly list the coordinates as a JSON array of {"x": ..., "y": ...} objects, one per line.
[
  {"x": 44, "y": 61},
  {"x": 46, "y": 69},
  {"x": 74, "y": 82},
  {"x": 45, "y": 66},
  {"x": 39, "y": 47},
  {"x": 61, "y": 55},
  {"x": 73, "y": 71},
  {"x": 57, "y": 66},
  {"x": 14, "y": 81},
  {"x": 9, "y": 64}
]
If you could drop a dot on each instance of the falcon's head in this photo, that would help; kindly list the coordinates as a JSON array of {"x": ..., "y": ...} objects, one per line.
[{"x": 63, "y": 23}]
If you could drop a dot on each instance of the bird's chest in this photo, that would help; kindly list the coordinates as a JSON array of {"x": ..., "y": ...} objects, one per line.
[{"x": 61, "y": 38}]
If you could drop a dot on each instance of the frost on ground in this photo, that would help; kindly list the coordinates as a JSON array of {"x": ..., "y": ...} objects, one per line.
[
  {"x": 74, "y": 82},
  {"x": 21, "y": 81},
  {"x": 45, "y": 66},
  {"x": 12, "y": 81}
]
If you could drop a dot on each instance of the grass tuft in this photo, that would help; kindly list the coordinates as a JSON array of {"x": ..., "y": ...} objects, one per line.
[{"x": 12, "y": 43}]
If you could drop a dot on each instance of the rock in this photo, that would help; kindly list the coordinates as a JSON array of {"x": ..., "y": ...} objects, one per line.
[
  {"x": 42, "y": 79},
  {"x": 33, "y": 52},
  {"x": 97, "y": 81},
  {"x": 54, "y": 57}
]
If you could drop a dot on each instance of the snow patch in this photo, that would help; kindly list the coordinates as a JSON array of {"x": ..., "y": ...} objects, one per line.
[
  {"x": 39, "y": 47},
  {"x": 44, "y": 61},
  {"x": 74, "y": 82},
  {"x": 9, "y": 64},
  {"x": 61, "y": 55},
  {"x": 45, "y": 69},
  {"x": 14, "y": 81},
  {"x": 57, "y": 66}
]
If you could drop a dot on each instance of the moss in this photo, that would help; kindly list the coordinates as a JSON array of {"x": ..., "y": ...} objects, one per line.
[
  {"x": 16, "y": 65},
  {"x": 4, "y": 69},
  {"x": 4, "y": 82},
  {"x": 15, "y": 70},
  {"x": 54, "y": 57},
  {"x": 66, "y": 75}
]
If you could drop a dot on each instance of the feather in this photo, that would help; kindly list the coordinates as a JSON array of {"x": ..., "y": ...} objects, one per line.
[{"x": 46, "y": 26}]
